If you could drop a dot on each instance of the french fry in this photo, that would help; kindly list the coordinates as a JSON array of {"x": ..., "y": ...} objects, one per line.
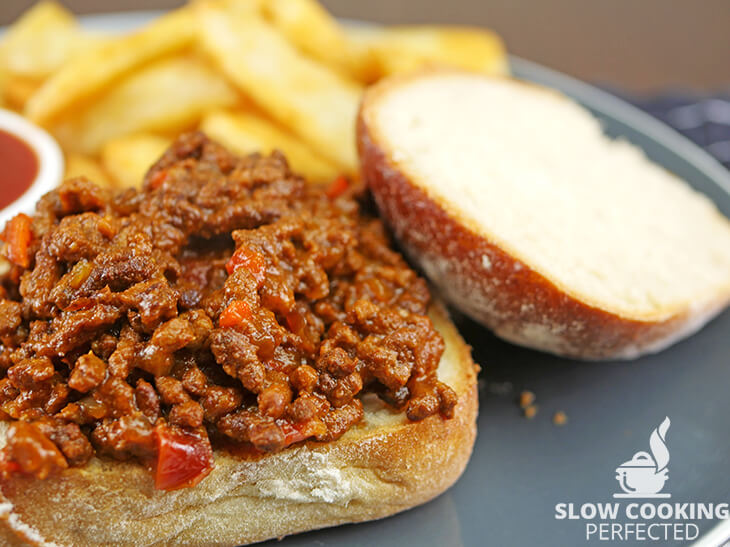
[
  {"x": 316, "y": 103},
  {"x": 41, "y": 41},
  {"x": 88, "y": 74},
  {"x": 167, "y": 96},
  {"x": 246, "y": 133},
  {"x": 362, "y": 41},
  {"x": 109, "y": 100},
  {"x": 127, "y": 159},
  {"x": 313, "y": 30},
  {"x": 18, "y": 89},
  {"x": 407, "y": 48},
  {"x": 78, "y": 165},
  {"x": 3, "y": 85},
  {"x": 236, "y": 8}
]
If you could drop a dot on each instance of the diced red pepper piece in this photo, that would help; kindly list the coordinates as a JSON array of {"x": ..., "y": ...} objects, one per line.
[
  {"x": 296, "y": 432},
  {"x": 236, "y": 313},
  {"x": 337, "y": 187},
  {"x": 295, "y": 321},
  {"x": 17, "y": 236},
  {"x": 158, "y": 179},
  {"x": 183, "y": 458},
  {"x": 252, "y": 260},
  {"x": 8, "y": 467},
  {"x": 292, "y": 433},
  {"x": 83, "y": 303}
]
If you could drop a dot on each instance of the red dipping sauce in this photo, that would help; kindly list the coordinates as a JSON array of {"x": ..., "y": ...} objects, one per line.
[{"x": 18, "y": 167}]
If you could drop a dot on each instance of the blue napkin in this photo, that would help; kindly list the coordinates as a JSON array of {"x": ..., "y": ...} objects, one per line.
[{"x": 704, "y": 120}]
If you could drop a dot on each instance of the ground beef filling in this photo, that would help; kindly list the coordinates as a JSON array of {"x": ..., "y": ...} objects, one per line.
[{"x": 226, "y": 301}]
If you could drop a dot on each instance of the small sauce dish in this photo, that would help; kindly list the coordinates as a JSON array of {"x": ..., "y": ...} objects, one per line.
[{"x": 31, "y": 164}]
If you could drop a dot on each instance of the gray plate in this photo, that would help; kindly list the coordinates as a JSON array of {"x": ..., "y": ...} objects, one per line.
[{"x": 522, "y": 468}]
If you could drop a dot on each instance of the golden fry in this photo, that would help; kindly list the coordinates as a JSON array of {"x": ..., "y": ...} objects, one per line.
[
  {"x": 246, "y": 133},
  {"x": 406, "y": 48},
  {"x": 166, "y": 96},
  {"x": 236, "y": 7},
  {"x": 313, "y": 101},
  {"x": 127, "y": 159},
  {"x": 313, "y": 30},
  {"x": 17, "y": 90},
  {"x": 41, "y": 41},
  {"x": 78, "y": 165},
  {"x": 90, "y": 73},
  {"x": 289, "y": 60}
]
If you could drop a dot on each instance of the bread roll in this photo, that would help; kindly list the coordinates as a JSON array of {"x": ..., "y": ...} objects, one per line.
[
  {"x": 380, "y": 467},
  {"x": 533, "y": 222}
]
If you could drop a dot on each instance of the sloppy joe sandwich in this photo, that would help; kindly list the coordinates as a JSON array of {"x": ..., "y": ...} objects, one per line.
[
  {"x": 224, "y": 356},
  {"x": 532, "y": 221}
]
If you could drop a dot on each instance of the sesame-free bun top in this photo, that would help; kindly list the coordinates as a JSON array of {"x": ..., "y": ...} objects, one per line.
[{"x": 601, "y": 252}]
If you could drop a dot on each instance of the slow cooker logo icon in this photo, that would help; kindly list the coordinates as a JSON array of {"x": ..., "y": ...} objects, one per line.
[{"x": 644, "y": 475}]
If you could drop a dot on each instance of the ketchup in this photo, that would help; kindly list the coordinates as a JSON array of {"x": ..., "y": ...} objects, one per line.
[{"x": 19, "y": 167}]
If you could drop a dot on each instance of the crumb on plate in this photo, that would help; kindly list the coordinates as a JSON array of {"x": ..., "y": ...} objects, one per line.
[
  {"x": 530, "y": 411},
  {"x": 526, "y": 398}
]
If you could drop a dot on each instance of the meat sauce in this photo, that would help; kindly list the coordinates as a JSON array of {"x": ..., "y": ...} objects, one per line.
[{"x": 226, "y": 304}]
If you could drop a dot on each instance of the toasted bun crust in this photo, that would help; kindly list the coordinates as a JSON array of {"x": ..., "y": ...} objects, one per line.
[
  {"x": 506, "y": 295},
  {"x": 381, "y": 467}
]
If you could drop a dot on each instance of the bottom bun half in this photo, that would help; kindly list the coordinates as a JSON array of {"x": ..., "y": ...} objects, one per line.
[{"x": 383, "y": 466}]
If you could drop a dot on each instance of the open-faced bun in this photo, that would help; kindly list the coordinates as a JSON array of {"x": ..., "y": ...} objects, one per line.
[
  {"x": 380, "y": 467},
  {"x": 533, "y": 222}
]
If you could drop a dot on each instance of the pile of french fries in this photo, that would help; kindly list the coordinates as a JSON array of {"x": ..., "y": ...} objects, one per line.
[{"x": 255, "y": 75}]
